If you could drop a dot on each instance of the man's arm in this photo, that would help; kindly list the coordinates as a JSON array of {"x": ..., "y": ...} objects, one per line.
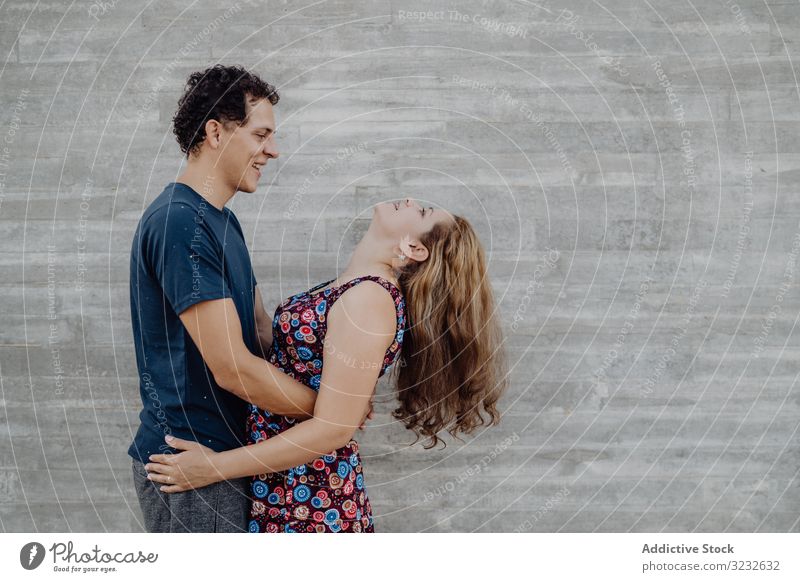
[
  {"x": 263, "y": 325},
  {"x": 215, "y": 328},
  {"x": 361, "y": 326},
  {"x": 191, "y": 272}
]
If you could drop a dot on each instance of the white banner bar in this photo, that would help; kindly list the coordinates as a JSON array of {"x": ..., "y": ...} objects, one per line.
[{"x": 408, "y": 557}]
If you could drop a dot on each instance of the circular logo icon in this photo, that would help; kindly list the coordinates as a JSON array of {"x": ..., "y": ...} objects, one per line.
[{"x": 31, "y": 555}]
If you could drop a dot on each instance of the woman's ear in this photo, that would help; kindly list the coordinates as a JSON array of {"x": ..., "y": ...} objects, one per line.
[
  {"x": 412, "y": 249},
  {"x": 419, "y": 252}
]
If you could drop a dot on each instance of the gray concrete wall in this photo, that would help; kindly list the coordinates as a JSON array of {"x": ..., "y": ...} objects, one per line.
[{"x": 633, "y": 168}]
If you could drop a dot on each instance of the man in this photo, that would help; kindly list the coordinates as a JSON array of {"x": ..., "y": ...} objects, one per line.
[{"x": 197, "y": 313}]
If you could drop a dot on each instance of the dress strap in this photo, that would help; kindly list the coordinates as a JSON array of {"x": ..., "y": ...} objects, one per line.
[
  {"x": 320, "y": 286},
  {"x": 385, "y": 283},
  {"x": 397, "y": 295}
]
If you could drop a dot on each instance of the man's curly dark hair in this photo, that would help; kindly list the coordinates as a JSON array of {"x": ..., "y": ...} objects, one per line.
[{"x": 220, "y": 93}]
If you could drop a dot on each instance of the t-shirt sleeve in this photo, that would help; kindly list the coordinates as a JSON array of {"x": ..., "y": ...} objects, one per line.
[{"x": 186, "y": 258}]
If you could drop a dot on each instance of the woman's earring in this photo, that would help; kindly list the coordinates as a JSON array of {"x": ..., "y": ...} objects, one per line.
[{"x": 405, "y": 248}]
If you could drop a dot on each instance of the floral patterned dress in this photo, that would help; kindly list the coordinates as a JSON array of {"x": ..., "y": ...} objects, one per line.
[{"x": 328, "y": 494}]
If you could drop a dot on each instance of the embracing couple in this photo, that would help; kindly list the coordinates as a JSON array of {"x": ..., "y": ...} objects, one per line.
[{"x": 248, "y": 419}]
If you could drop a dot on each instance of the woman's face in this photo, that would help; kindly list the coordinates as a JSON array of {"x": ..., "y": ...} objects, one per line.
[{"x": 407, "y": 217}]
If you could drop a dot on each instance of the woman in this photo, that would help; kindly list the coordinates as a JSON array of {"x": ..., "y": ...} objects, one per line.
[{"x": 416, "y": 280}]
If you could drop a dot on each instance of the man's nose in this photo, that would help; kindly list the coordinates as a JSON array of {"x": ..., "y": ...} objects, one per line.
[{"x": 271, "y": 149}]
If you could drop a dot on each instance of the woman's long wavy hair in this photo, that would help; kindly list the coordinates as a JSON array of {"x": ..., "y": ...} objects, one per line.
[{"x": 452, "y": 370}]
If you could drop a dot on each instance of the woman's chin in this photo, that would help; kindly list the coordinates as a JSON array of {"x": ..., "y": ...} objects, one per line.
[{"x": 382, "y": 219}]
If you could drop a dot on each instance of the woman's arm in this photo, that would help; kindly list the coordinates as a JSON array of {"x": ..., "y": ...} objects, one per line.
[{"x": 361, "y": 327}]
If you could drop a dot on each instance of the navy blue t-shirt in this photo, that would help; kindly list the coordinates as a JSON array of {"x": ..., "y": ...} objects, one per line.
[{"x": 185, "y": 251}]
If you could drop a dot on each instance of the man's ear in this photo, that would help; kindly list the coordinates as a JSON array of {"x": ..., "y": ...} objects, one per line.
[{"x": 213, "y": 133}]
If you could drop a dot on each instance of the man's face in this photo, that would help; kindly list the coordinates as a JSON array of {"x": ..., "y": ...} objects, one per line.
[{"x": 247, "y": 147}]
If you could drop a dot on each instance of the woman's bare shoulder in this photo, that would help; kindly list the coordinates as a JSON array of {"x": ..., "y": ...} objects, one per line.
[{"x": 368, "y": 305}]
